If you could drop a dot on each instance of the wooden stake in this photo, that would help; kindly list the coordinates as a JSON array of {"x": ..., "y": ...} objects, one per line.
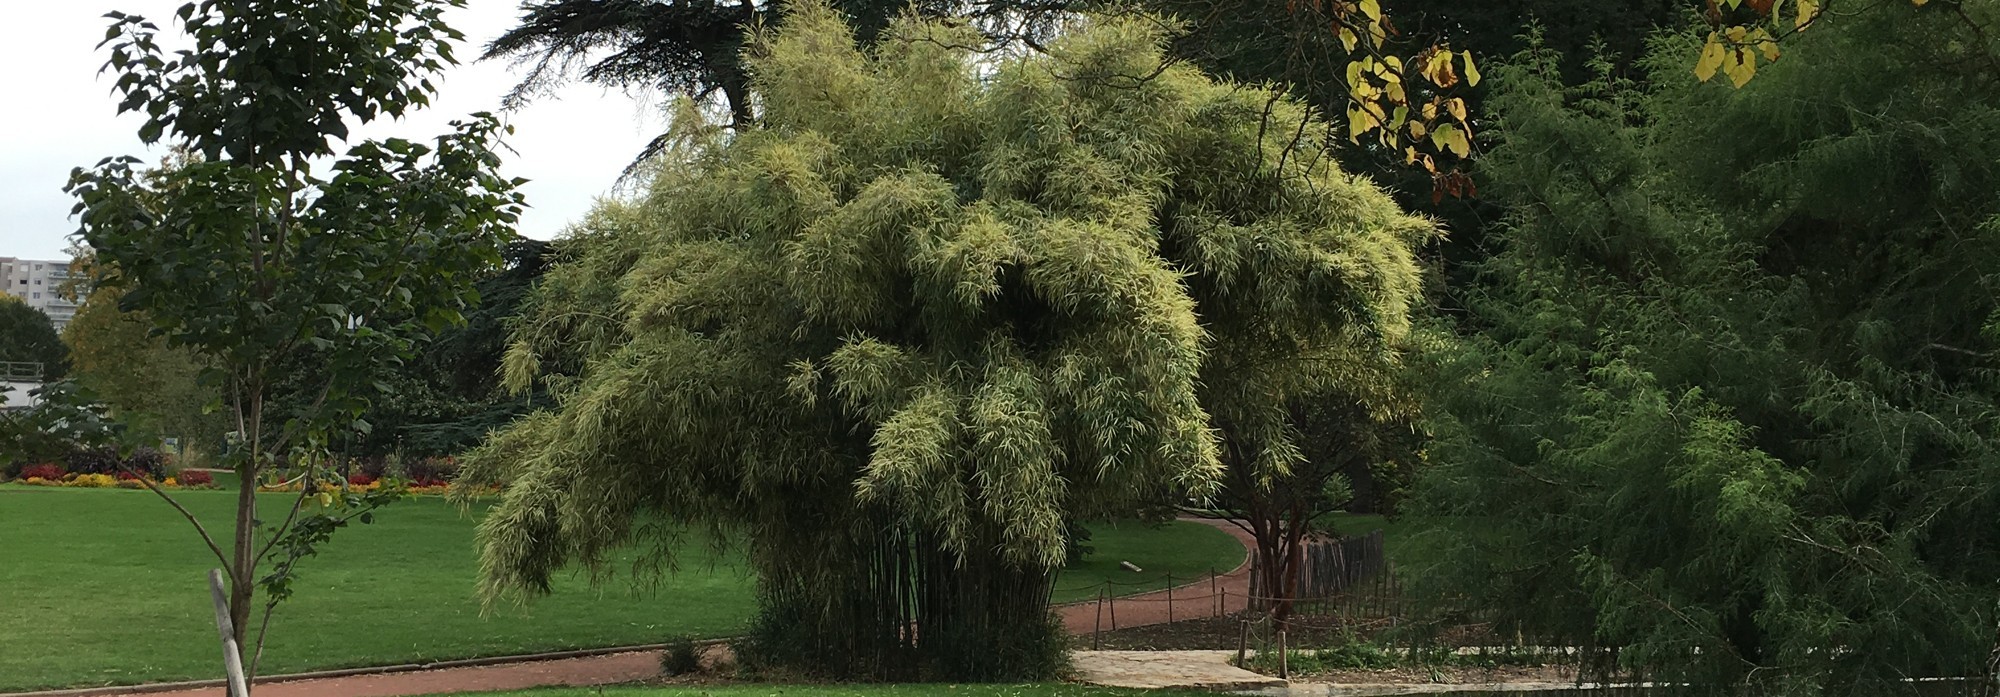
[
  {"x": 1284, "y": 658},
  {"x": 232, "y": 656},
  {"x": 1097, "y": 634},
  {"x": 1242, "y": 641}
]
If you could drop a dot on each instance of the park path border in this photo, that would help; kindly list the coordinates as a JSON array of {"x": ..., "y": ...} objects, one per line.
[{"x": 618, "y": 664}]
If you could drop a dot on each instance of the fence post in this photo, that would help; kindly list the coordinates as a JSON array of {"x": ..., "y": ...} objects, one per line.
[
  {"x": 1213, "y": 596},
  {"x": 1113, "y": 600},
  {"x": 1097, "y": 632},
  {"x": 1170, "y": 597},
  {"x": 1242, "y": 641},
  {"x": 1284, "y": 658}
]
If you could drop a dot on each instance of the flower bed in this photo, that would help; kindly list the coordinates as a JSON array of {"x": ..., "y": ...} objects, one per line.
[{"x": 35, "y": 476}]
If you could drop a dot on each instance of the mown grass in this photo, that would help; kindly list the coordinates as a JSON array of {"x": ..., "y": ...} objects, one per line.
[{"x": 108, "y": 586}]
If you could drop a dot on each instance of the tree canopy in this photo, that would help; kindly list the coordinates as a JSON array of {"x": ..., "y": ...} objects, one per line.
[
  {"x": 151, "y": 388},
  {"x": 28, "y": 336},
  {"x": 1726, "y": 409},
  {"x": 927, "y": 311}
]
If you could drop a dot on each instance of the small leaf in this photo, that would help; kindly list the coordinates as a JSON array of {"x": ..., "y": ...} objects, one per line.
[
  {"x": 1372, "y": 9},
  {"x": 1348, "y": 39},
  {"x": 1712, "y": 55},
  {"x": 1456, "y": 107},
  {"x": 1741, "y": 66},
  {"x": 1471, "y": 71},
  {"x": 1808, "y": 11}
]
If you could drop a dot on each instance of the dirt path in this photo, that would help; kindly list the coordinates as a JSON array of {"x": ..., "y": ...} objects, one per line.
[{"x": 1224, "y": 594}]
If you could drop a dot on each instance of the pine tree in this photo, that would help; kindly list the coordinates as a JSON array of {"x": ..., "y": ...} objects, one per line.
[{"x": 924, "y": 315}]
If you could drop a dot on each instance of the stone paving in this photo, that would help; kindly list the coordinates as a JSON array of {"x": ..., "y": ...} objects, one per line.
[{"x": 1202, "y": 670}]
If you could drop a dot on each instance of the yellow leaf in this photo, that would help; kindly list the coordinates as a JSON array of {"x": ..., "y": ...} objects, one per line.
[
  {"x": 1371, "y": 9},
  {"x": 325, "y": 499},
  {"x": 1737, "y": 35},
  {"x": 1417, "y": 129},
  {"x": 1395, "y": 93},
  {"x": 1449, "y": 137},
  {"x": 1353, "y": 73},
  {"x": 1741, "y": 66},
  {"x": 1430, "y": 111},
  {"x": 1358, "y": 122},
  {"x": 1410, "y": 151},
  {"x": 1808, "y": 11},
  {"x": 1457, "y": 108},
  {"x": 1712, "y": 55},
  {"x": 1439, "y": 69},
  {"x": 1377, "y": 34},
  {"x": 1919, "y": 3},
  {"x": 1766, "y": 44},
  {"x": 1471, "y": 71},
  {"x": 1348, "y": 39}
]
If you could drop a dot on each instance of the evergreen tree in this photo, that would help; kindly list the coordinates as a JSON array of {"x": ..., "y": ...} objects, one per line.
[
  {"x": 1729, "y": 415},
  {"x": 925, "y": 314},
  {"x": 28, "y": 336}
]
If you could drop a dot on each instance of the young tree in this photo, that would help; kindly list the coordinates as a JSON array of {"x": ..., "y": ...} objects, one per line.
[
  {"x": 1730, "y": 415},
  {"x": 924, "y": 314},
  {"x": 261, "y": 253}
]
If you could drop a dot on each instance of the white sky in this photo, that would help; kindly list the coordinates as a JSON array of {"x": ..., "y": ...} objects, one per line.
[{"x": 60, "y": 114}]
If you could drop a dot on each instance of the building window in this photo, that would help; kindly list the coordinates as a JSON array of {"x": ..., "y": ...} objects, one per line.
[
  {"x": 38, "y": 281},
  {"x": 38, "y": 296}
]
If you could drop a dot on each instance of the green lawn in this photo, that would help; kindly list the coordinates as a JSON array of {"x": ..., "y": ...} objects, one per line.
[
  {"x": 108, "y": 586},
  {"x": 1186, "y": 551},
  {"x": 1047, "y": 690}
]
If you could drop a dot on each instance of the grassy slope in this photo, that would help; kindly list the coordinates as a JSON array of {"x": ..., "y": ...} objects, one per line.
[
  {"x": 108, "y": 587},
  {"x": 1187, "y": 551},
  {"x": 1054, "y": 690}
]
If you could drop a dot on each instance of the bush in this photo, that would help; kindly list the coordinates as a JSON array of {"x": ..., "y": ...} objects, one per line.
[
  {"x": 106, "y": 460},
  {"x": 46, "y": 471},
  {"x": 431, "y": 471},
  {"x": 361, "y": 479},
  {"x": 197, "y": 478},
  {"x": 682, "y": 657}
]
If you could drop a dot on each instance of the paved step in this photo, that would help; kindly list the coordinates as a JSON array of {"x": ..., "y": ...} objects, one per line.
[{"x": 1198, "y": 670}]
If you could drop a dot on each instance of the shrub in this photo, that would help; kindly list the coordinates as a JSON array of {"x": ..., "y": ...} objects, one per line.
[
  {"x": 431, "y": 471},
  {"x": 361, "y": 479},
  {"x": 682, "y": 657},
  {"x": 46, "y": 471},
  {"x": 197, "y": 478},
  {"x": 92, "y": 481},
  {"x": 106, "y": 460}
]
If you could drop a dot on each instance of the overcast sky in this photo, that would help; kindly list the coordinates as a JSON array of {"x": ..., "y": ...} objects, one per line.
[{"x": 60, "y": 115}]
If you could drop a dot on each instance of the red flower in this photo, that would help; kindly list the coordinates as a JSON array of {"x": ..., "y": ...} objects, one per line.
[
  {"x": 196, "y": 478},
  {"x": 49, "y": 471}
]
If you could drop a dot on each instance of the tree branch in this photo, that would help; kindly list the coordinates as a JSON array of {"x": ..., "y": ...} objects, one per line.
[{"x": 185, "y": 513}]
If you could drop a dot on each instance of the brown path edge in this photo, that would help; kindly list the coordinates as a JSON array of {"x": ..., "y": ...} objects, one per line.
[{"x": 620, "y": 663}]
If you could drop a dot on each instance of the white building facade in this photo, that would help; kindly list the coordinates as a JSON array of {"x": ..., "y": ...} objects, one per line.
[{"x": 40, "y": 283}]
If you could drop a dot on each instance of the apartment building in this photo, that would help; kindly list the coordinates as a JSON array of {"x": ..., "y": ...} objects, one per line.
[{"x": 39, "y": 283}]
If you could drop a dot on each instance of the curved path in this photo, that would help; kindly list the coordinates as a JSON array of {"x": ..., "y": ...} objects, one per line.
[{"x": 1223, "y": 594}]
